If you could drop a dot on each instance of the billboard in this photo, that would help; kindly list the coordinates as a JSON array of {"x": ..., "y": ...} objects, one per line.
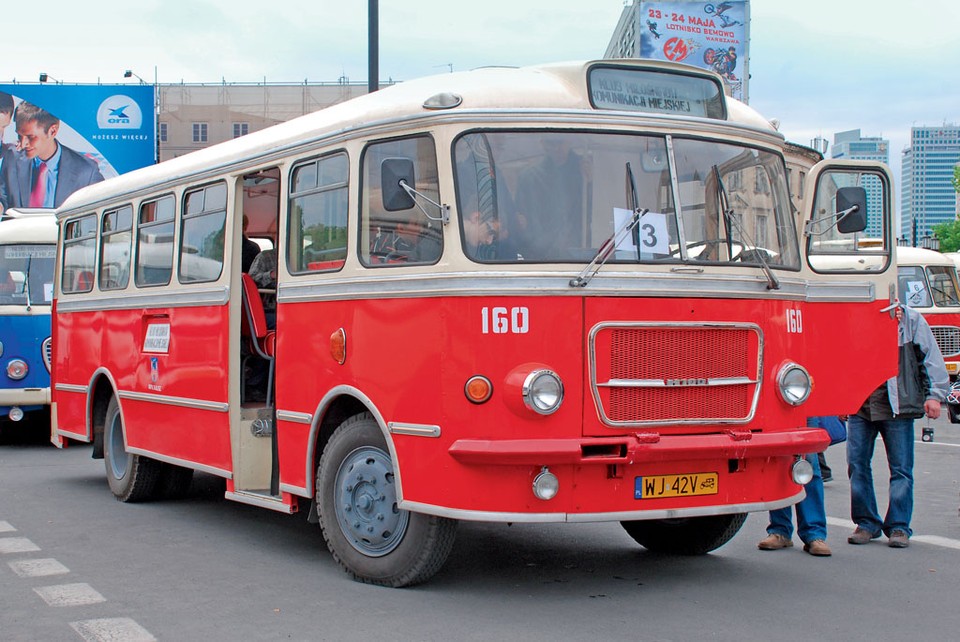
[
  {"x": 100, "y": 131},
  {"x": 708, "y": 35}
]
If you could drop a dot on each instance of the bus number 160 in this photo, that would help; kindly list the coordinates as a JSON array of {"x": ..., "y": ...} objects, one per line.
[{"x": 505, "y": 320}]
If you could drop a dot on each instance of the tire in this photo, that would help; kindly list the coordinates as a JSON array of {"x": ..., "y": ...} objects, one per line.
[
  {"x": 688, "y": 536},
  {"x": 953, "y": 414},
  {"x": 371, "y": 539},
  {"x": 174, "y": 481},
  {"x": 132, "y": 478}
]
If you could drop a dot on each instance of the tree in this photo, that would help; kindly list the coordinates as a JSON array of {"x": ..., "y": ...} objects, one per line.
[{"x": 949, "y": 233}]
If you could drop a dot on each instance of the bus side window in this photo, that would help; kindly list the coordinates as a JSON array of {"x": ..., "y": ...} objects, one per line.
[
  {"x": 79, "y": 248},
  {"x": 318, "y": 215},
  {"x": 403, "y": 236},
  {"x": 155, "y": 242},
  {"x": 115, "y": 238}
]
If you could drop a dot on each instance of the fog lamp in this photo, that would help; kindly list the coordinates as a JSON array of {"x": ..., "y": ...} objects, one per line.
[
  {"x": 545, "y": 484},
  {"x": 15, "y": 414},
  {"x": 802, "y": 471}
]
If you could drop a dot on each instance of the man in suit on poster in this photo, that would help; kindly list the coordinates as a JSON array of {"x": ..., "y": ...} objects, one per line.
[{"x": 43, "y": 171}]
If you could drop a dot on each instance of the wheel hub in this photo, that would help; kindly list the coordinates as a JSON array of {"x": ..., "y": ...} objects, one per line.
[{"x": 366, "y": 503}]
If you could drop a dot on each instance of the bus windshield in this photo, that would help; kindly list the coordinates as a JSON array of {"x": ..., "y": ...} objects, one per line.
[
  {"x": 26, "y": 274},
  {"x": 558, "y": 196}
]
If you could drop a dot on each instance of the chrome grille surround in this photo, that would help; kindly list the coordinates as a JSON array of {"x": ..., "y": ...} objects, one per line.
[{"x": 652, "y": 373}]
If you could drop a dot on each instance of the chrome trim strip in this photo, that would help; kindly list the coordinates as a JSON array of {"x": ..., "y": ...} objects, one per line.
[
  {"x": 595, "y": 385},
  {"x": 662, "y": 383},
  {"x": 295, "y": 417},
  {"x": 414, "y": 430},
  {"x": 530, "y": 518},
  {"x": 70, "y": 387},
  {"x": 295, "y": 490},
  {"x": 185, "y": 463},
  {"x": 261, "y": 501},
  {"x": 142, "y": 298},
  {"x": 607, "y": 283},
  {"x": 185, "y": 402}
]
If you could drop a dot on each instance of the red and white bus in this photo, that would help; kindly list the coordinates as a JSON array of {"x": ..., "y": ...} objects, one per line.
[
  {"x": 928, "y": 283},
  {"x": 572, "y": 292}
]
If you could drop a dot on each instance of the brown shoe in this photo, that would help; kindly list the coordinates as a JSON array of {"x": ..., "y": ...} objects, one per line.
[
  {"x": 818, "y": 548},
  {"x": 862, "y": 536},
  {"x": 898, "y": 539},
  {"x": 774, "y": 542}
]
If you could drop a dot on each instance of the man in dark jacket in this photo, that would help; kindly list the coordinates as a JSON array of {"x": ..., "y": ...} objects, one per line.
[{"x": 918, "y": 389}]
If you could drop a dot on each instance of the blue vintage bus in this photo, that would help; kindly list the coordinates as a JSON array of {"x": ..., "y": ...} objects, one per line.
[{"x": 28, "y": 241}]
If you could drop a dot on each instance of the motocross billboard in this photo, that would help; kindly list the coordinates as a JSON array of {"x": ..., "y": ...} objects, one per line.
[
  {"x": 100, "y": 131},
  {"x": 713, "y": 36}
]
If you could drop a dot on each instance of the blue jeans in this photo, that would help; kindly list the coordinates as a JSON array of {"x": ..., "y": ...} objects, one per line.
[
  {"x": 898, "y": 440},
  {"x": 811, "y": 515}
]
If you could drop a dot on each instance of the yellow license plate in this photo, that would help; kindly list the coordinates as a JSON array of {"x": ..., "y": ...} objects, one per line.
[
  {"x": 951, "y": 367},
  {"x": 689, "y": 484}
]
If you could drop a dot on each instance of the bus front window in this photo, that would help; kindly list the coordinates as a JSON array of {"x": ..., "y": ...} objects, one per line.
[
  {"x": 558, "y": 196},
  {"x": 26, "y": 274}
]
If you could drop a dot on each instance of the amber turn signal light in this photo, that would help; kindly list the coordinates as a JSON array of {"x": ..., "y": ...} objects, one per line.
[
  {"x": 478, "y": 389},
  {"x": 338, "y": 346}
]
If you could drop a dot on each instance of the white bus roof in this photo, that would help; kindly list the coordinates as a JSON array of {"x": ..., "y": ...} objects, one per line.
[
  {"x": 919, "y": 256},
  {"x": 560, "y": 88},
  {"x": 38, "y": 227}
]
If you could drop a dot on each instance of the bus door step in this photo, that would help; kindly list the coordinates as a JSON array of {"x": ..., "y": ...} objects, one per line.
[{"x": 283, "y": 503}]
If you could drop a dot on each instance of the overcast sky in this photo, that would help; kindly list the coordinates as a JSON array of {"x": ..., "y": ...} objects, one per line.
[{"x": 819, "y": 66}]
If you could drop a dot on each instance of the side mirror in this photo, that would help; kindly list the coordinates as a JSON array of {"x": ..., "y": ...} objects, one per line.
[
  {"x": 851, "y": 209},
  {"x": 393, "y": 171}
]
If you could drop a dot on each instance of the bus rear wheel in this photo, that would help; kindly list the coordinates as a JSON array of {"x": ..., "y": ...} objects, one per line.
[
  {"x": 368, "y": 535},
  {"x": 132, "y": 478},
  {"x": 687, "y": 536}
]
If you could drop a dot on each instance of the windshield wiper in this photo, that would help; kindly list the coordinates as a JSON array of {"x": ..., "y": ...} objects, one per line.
[
  {"x": 608, "y": 247},
  {"x": 730, "y": 220}
]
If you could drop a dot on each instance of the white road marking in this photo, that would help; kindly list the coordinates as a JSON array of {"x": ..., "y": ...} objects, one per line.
[
  {"x": 69, "y": 594},
  {"x": 935, "y": 540},
  {"x": 112, "y": 630},
  {"x": 5, "y": 527},
  {"x": 38, "y": 567},
  {"x": 17, "y": 545}
]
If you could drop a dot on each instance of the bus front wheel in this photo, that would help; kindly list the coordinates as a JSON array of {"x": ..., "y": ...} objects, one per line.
[
  {"x": 132, "y": 478},
  {"x": 367, "y": 534},
  {"x": 687, "y": 536}
]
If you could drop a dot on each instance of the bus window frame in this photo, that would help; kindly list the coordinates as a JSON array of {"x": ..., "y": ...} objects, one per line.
[
  {"x": 140, "y": 226},
  {"x": 68, "y": 242},
  {"x": 102, "y": 237},
  {"x": 364, "y": 236},
  {"x": 186, "y": 217},
  {"x": 316, "y": 160}
]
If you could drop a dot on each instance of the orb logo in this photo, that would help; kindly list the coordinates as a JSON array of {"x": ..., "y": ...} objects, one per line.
[{"x": 119, "y": 112}]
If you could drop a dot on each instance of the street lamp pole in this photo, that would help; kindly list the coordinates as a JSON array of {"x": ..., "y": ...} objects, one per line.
[{"x": 156, "y": 109}]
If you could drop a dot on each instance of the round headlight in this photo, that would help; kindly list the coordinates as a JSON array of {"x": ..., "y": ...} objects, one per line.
[
  {"x": 794, "y": 384},
  {"x": 543, "y": 391},
  {"x": 1, "y": 348},
  {"x": 17, "y": 369}
]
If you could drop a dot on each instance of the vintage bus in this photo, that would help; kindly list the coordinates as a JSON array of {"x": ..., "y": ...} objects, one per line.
[
  {"x": 28, "y": 243},
  {"x": 928, "y": 283},
  {"x": 565, "y": 293}
]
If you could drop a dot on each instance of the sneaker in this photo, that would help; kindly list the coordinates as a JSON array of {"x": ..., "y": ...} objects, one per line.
[
  {"x": 774, "y": 542},
  {"x": 862, "y": 536},
  {"x": 898, "y": 539},
  {"x": 817, "y": 548}
]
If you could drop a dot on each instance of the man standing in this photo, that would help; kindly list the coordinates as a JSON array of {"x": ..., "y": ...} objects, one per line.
[
  {"x": 43, "y": 172},
  {"x": 919, "y": 387}
]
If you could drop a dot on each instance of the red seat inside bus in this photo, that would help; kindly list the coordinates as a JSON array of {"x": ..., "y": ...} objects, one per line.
[{"x": 254, "y": 322}]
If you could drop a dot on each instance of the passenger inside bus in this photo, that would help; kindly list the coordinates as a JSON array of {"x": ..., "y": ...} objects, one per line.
[{"x": 550, "y": 200}]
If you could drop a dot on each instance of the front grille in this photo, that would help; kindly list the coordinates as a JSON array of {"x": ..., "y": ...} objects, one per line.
[
  {"x": 47, "y": 349},
  {"x": 678, "y": 373},
  {"x": 948, "y": 339}
]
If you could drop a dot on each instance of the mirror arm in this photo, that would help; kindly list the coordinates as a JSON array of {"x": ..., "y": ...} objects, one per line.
[
  {"x": 808, "y": 228},
  {"x": 444, "y": 209}
]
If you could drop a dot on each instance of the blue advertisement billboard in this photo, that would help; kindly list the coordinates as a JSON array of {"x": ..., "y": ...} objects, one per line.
[
  {"x": 709, "y": 35},
  {"x": 63, "y": 137}
]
